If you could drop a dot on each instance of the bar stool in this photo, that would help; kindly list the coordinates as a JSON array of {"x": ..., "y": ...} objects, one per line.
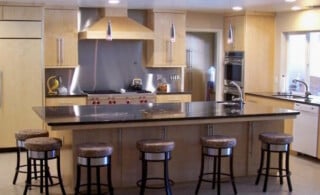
[
  {"x": 273, "y": 142},
  {"x": 217, "y": 146},
  {"x": 21, "y": 136},
  {"x": 94, "y": 155},
  {"x": 155, "y": 150},
  {"x": 43, "y": 149}
]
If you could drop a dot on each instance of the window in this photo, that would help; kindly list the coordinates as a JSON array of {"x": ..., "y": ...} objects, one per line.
[{"x": 303, "y": 62}]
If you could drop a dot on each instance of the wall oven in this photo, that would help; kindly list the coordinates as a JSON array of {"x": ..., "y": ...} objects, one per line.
[
  {"x": 233, "y": 71},
  {"x": 234, "y": 68}
]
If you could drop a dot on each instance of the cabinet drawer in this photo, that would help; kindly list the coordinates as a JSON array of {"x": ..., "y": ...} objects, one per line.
[
  {"x": 173, "y": 98},
  {"x": 66, "y": 101},
  {"x": 13, "y": 29}
]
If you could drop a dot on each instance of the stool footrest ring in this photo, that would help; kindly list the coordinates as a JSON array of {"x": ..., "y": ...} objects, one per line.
[{"x": 154, "y": 179}]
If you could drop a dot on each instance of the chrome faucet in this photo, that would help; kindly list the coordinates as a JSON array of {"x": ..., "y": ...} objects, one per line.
[
  {"x": 240, "y": 99},
  {"x": 307, "y": 93}
]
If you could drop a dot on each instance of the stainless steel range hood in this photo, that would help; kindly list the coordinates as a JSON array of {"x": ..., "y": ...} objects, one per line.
[{"x": 123, "y": 27}]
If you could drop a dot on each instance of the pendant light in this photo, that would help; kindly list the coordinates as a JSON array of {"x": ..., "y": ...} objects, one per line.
[
  {"x": 109, "y": 31},
  {"x": 230, "y": 35},
  {"x": 172, "y": 33}
]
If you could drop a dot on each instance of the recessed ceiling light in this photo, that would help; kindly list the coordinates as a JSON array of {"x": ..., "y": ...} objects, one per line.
[
  {"x": 237, "y": 8},
  {"x": 295, "y": 8},
  {"x": 290, "y": 1},
  {"x": 113, "y": 1}
]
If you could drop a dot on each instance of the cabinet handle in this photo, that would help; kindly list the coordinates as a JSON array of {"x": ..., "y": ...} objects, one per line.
[
  {"x": 61, "y": 50},
  {"x": 58, "y": 50},
  {"x": 170, "y": 51},
  {"x": 1, "y": 85}
]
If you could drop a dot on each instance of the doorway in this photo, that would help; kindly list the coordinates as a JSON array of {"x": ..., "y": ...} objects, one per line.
[{"x": 202, "y": 60}]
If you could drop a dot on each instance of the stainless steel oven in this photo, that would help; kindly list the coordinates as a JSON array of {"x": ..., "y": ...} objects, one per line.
[
  {"x": 234, "y": 68},
  {"x": 230, "y": 93}
]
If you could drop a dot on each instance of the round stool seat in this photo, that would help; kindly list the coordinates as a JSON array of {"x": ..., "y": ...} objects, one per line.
[
  {"x": 155, "y": 145},
  {"x": 275, "y": 138},
  {"x": 42, "y": 144},
  {"x": 93, "y": 150},
  {"x": 218, "y": 141},
  {"x": 24, "y": 134}
]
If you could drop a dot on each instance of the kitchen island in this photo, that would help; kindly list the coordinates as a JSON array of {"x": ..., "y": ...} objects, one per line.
[{"x": 185, "y": 123}]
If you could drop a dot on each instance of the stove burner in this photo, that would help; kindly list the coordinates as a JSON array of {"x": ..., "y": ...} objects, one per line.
[
  {"x": 138, "y": 91},
  {"x": 101, "y": 92}
]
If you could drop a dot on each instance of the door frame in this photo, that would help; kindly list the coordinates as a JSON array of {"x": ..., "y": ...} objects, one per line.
[{"x": 219, "y": 57}]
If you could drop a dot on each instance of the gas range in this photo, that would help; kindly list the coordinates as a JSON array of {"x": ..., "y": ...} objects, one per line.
[{"x": 114, "y": 97}]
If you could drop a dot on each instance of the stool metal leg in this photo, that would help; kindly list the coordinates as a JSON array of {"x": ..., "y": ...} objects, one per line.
[
  {"x": 231, "y": 173},
  {"x": 144, "y": 174},
  {"x": 214, "y": 173},
  {"x": 89, "y": 176},
  {"x": 98, "y": 179},
  {"x": 78, "y": 179},
  {"x": 59, "y": 175},
  {"x": 46, "y": 177},
  {"x": 109, "y": 177},
  {"x": 28, "y": 180},
  {"x": 260, "y": 167},
  {"x": 287, "y": 169},
  {"x": 201, "y": 174},
  {"x": 41, "y": 176},
  {"x": 219, "y": 172},
  {"x": 267, "y": 170},
  {"x": 17, "y": 166},
  {"x": 280, "y": 167},
  {"x": 166, "y": 175}
]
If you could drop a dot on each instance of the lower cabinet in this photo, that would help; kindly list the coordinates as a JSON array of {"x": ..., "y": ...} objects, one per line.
[
  {"x": 65, "y": 135},
  {"x": 173, "y": 98},
  {"x": 275, "y": 103}
]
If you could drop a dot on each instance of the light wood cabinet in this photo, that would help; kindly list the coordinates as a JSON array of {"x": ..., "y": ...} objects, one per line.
[
  {"x": 288, "y": 125},
  {"x": 253, "y": 34},
  {"x": 161, "y": 52},
  {"x": 65, "y": 135},
  {"x": 172, "y": 98},
  {"x": 21, "y": 13},
  {"x": 20, "y": 87},
  {"x": 60, "y": 38}
]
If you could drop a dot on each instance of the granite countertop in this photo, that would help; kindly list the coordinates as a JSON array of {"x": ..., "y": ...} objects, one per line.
[
  {"x": 105, "y": 114},
  {"x": 313, "y": 100}
]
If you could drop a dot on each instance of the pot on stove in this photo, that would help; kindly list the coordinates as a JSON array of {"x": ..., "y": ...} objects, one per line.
[{"x": 136, "y": 84}]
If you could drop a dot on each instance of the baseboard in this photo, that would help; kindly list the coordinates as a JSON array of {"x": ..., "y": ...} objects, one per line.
[{"x": 11, "y": 149}]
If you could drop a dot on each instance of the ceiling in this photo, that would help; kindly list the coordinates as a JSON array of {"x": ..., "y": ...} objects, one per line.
[{"x": 199, "y": 5}]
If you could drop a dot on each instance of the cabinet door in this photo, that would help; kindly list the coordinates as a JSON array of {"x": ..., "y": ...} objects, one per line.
[
  {"x": 61, "y": 39},
  {"x": 161, "y": 52},
  {"x": 20, "y": 87},
  {"x": 288, "y": 124},
  {"x": 64, "y": 135},
  {"x": 22, "y": 13},
  {"x": 238, "y": 26}
]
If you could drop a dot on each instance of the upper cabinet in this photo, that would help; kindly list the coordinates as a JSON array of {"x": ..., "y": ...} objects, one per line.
[
  {"x": 21, "y": 13},
  {"x": 162, "y": 52},
  {"x": 253, "y": 33},
  {"x": 61, "y": 37}
]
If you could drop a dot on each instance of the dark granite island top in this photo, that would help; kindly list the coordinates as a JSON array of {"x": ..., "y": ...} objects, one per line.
[{"x": 69, "y": 117}]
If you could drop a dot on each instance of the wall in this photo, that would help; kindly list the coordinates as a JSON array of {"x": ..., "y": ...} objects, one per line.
[{"x": 308, "y": 20}]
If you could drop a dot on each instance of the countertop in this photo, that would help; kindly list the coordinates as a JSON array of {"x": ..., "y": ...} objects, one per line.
[
  {"x": 313, "y": 100},
  {"x": 111, "y": 114},
  {"x": 85, "y": 95}
]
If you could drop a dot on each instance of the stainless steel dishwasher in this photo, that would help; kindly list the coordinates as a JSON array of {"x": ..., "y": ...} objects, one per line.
[{"x": 305, "y": 129}]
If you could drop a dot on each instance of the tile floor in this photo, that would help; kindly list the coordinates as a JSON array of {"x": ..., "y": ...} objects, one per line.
[{"x": 305, "y": 181}]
